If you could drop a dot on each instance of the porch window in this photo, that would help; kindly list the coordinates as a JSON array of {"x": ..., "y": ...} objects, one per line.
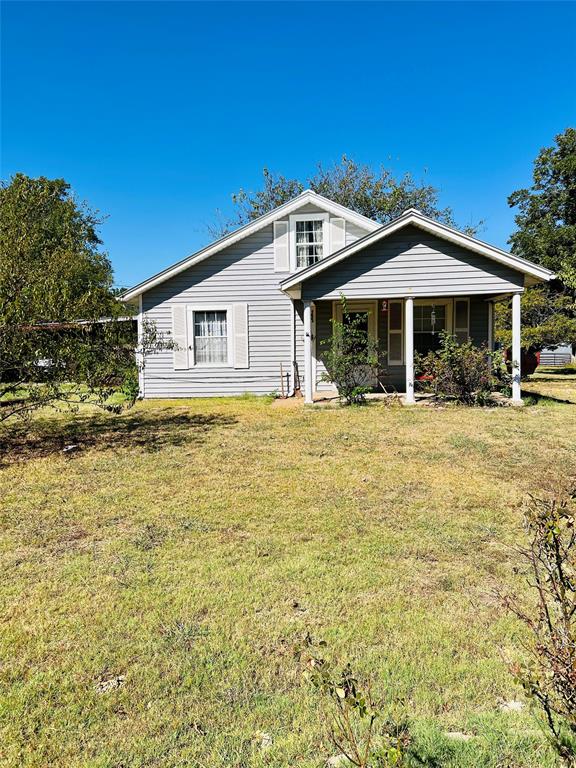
[
  {"x": 211, "y": 338},
  {"x": 429, "y": 321}
]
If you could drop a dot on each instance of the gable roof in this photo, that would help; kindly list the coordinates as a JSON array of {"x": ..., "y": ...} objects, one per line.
[
  {"x": 308, "y": 196},
  {"x": 415, "y": 218}
]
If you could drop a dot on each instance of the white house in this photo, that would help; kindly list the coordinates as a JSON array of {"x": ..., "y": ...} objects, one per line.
[{"x": 262, "y": 297}]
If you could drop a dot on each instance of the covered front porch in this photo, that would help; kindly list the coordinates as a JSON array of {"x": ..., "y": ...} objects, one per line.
[
  {"x": 408, "y": 275},
  {"x": 402, "y": 327}
]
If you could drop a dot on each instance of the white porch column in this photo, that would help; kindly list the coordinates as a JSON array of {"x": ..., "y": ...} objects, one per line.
[
  {"x": 308, "y": 384},
  {"x": 139, "y": 349},
  {"x": 516, "y": 348},
  {"x": 409, "y": 348}
]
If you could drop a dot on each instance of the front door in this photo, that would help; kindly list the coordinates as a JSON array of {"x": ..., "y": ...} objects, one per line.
[{"x": 368, "y": 313}]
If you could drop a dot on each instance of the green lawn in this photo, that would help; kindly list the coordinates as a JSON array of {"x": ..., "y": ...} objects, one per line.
[{"x": 186, "y": 547}]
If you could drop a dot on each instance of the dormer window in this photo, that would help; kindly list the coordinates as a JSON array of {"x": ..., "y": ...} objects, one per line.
[{"x": 308, "y": 239}]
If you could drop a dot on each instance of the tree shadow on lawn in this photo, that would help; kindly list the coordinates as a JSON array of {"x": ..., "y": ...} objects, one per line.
[
  {"x": 542, "y": 373},
  {"x": 530, "y": 397},
  {"x": 150, "y": 433}
]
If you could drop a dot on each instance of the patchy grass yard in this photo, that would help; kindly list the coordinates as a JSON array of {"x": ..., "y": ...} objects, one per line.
[
  {"x": 156, "y": 578},
  {"x": 558, "y": 383}
]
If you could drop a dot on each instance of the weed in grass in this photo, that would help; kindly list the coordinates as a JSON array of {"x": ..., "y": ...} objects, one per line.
[
  {"x": 468, "y": 444},
  {"x": 195, "y": 525},
  {"x": 357, "y": 729},
  {"x": 367, "y": 538},
  {"x": 128, "y": 572},
  {"x": 183, "y": 634},
  {"x": 151, "y": 536},
  {"x": 121, "y": 570}
]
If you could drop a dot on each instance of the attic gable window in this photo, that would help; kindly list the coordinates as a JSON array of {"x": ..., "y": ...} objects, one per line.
[
  {"x": 309, "y": 242},
  {"x": 308, "y": 239}
]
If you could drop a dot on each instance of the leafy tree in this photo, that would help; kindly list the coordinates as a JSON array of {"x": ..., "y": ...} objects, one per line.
[
  {"x": 546, "y": 220},
  {"x": 56, "y": 286},
  {"x": 377, "y": 194},
  {"x": 546, "y": 235},
  {"x": 548, "y": 319}
]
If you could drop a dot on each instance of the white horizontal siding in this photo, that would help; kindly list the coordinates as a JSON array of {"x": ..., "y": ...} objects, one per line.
[
  {"x": 354, "y": 232},
  {"x": 412, "y": 262},
  {"x": 244, "y": 272}
]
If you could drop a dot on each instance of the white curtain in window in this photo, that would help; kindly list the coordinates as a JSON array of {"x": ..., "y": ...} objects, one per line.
[
  {"x": 309, "y": 246},
  {"x": 210, "y": 337}
]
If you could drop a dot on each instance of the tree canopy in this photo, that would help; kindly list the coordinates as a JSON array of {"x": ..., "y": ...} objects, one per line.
[
  {"x": 547, "y": 319},
  {"x": 377, "y": 194},
  {"x": 52, "y": 265},
  {"x": 62, "y": 336},
  {"x": 546, "y": 221},
  {"x": 546, "y": 235}
]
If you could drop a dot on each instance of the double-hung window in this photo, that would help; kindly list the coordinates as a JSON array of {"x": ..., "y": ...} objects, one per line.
[
  {"x": 211, "y": 337},
  {"x": 430, "y": 320},
  {"x": 309, "y": 242},
  {"x": 309, "y": 239}
]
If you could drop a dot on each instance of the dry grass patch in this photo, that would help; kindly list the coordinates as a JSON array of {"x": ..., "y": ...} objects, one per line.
[
  {"x": 553, "y": 383},
  {"x": 178, "y": 555}
]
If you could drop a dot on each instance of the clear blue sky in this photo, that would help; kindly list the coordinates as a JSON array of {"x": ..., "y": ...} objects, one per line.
[{"x": 157, "y": 112}]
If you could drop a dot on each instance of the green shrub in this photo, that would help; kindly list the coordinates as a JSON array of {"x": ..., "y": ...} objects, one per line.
[
  {"x": 353, "y": 713},
  {"x": 548, "y": 675},
  {"x": 130, "y": 387},
  {"x": 463, "y": 372},
  {"x": 351, "y": 357}
]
